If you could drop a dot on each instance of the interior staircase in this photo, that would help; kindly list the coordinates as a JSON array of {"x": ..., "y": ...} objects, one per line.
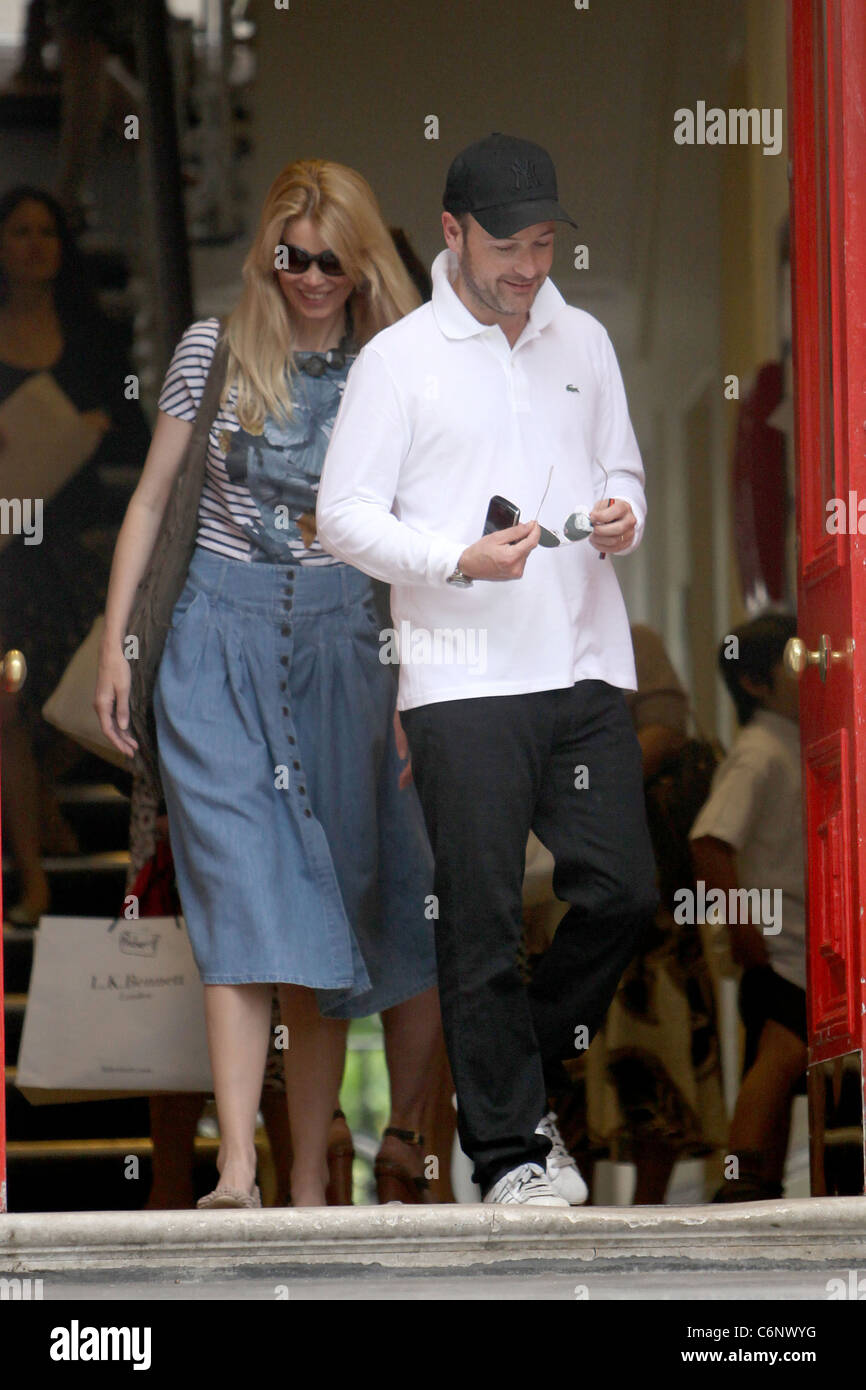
[{"x": 71, "y": 1157}]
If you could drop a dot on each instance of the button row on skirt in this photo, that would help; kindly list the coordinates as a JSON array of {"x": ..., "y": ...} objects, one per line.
[{"x": 286, "y": 631}]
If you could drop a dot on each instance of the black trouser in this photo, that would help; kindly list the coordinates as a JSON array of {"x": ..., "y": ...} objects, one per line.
[{"x": 487, "y": 770}]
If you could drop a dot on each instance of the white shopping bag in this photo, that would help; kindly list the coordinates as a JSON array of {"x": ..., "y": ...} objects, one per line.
[
  {"x": 113, "y": 1007},
  {"x": 70, "y": 705}
]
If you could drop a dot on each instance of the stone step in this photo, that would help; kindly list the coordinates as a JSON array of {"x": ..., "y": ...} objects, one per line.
[{"x": 809, "y": 1234}]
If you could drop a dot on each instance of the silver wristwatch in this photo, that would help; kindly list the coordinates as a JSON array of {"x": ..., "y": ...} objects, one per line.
[{"x": 459, "y": 579}]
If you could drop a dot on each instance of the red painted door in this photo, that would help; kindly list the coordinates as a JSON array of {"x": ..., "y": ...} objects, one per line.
[{"x": 827, "y": 143}]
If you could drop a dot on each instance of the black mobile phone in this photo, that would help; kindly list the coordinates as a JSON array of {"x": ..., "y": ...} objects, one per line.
[{"x": 500, "y": 515}]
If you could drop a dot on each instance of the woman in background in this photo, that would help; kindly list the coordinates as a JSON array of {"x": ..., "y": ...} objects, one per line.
[{"x": 50, "y": 593}]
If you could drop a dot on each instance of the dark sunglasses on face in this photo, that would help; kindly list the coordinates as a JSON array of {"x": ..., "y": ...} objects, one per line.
[{"x": 299, "y": 261}]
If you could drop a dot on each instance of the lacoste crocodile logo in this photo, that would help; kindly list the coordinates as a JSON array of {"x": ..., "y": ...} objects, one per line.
[{"x": 569, "y": 387}]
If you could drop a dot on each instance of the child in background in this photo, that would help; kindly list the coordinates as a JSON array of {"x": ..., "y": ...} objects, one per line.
[{"x": 749, "y": 835}]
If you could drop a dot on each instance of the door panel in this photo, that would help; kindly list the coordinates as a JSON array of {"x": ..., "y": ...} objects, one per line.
[
  {"x": 827, "y": 143},
  {"x": 832, "y": 924}
]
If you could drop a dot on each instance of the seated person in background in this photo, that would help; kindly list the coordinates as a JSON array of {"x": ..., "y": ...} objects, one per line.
[{"x": 749, "y": 835}]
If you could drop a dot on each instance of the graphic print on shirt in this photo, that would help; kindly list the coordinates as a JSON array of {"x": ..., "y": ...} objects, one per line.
[{"x": 281, "y": 467}]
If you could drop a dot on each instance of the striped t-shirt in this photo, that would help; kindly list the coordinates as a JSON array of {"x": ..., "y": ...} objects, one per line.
[{"x": 257, "y": 487}]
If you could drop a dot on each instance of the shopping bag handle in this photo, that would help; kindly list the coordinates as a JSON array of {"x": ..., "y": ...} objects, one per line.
[{"x": 120, "y": 918}]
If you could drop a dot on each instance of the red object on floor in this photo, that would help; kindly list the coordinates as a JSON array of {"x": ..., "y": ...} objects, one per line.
[
  {"x": 760, "y": 492},
  {"x": 155, "y": 885}
]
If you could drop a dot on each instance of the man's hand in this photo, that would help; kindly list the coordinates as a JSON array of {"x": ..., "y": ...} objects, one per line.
[
  {"x": 502, "y": 554},
  {"x": 614, "y": 527}
]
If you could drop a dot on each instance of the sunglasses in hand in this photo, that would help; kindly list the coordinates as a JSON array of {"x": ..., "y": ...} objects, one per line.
[{"x": 501, "y": 514}]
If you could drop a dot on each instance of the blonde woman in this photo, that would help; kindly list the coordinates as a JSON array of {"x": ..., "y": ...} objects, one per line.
[{"x": 301, "y": 860}]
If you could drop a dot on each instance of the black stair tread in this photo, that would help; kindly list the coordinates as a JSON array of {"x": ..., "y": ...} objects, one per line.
[
  {"x": 94, "y": 1182},
  {"x": 97, "y": 1148},
  {"x": 14, "y": 1009},
  {"x": 91, "y": 794},
  {"x": 74, "y": 1120},
  {"x": 76, "y": 1148},
  {"x": 94, "y": 770},
  {"x": 100, "y": 896},
  {"x": 98, "y": 815},
  {"x": 93, "y": 862},
  {"x": 28, "y": 111},
  {"x": 101, "y": 861},
  {"x": 87, "y": 1183},
  {"x": 84, "y": 885},
  {"x": 17, "y": 958},
  {"x": 56, "y": 1124}
]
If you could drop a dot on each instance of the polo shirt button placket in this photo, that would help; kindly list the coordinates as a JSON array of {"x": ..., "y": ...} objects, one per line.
[{"x": 518, "y": 388}]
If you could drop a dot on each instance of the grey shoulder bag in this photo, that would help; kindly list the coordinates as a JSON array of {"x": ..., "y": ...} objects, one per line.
[{"x": 165, "y": 576}]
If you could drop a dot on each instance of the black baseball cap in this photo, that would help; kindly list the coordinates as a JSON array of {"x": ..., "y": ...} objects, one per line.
[{"x": 505, "y": 183}]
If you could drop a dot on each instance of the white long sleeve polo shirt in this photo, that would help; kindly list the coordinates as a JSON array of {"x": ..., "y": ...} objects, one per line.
[{"x": 439, "y": 414}]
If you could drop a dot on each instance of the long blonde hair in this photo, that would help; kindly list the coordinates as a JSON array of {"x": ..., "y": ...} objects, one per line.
[{"x": 259, "y": 332}]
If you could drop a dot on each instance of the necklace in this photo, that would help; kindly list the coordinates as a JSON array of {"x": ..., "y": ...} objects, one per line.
[{"x": 317, "y": 363}]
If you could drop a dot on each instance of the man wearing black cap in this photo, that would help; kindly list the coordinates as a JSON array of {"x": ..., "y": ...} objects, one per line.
[{"x": 498, "y": 389}]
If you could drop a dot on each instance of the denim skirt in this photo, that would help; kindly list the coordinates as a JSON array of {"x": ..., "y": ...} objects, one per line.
[{"x": 298, "y": 857}]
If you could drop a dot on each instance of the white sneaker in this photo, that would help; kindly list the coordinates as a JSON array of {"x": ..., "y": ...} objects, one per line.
[
  {"x": 562, "y": 1171},
  {"x": 526, "y": 1184}
]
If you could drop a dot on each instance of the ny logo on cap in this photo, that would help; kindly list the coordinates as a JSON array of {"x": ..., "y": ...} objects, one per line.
[{"x": 524, "y": 174}]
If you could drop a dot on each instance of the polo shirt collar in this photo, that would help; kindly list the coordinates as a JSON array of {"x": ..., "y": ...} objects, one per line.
[{"x": 456, "y": 321}]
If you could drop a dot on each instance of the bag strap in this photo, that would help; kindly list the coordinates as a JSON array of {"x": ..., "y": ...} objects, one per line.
[
  {"x": 167, "y": 567},
  {"x": 194, "y": 464}
]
